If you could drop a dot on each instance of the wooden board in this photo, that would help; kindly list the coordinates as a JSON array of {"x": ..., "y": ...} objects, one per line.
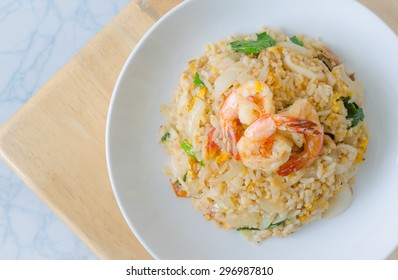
[{"x": 56, "y": 142}]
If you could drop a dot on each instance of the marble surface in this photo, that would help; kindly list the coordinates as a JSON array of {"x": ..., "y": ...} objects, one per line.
[{"x": 38, "y": 37}]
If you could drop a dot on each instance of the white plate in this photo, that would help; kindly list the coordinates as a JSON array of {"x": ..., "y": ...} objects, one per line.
[{"x": 169, "y": 227}]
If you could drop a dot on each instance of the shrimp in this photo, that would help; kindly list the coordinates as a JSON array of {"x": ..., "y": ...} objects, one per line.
[
  {"x": 211, "y": 146},
  {"x": 243, "y": 106},
  {"x": 261, "y": 148},
  {"x": 313, "y": 142}
]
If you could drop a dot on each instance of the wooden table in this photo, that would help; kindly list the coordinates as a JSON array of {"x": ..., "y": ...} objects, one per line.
[{"x": 56, "y": 142}]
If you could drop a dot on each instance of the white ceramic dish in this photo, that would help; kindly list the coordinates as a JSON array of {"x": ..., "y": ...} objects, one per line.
[{"x": 169, "y": 227}]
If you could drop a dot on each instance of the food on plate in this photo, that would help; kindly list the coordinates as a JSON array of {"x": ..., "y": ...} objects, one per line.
[{"x": 265, "y": 133}]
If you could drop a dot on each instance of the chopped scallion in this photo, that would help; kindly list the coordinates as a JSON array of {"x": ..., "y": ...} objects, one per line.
[
  {"x": 297, "y": 41},
  {"x": 165, "y": 137},
  {"x": 197, "y": 81},
  {"x": 187, "y": 147}
]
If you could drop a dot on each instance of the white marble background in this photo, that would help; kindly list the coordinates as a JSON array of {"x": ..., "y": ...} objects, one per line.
[{"x": 38, "y": 37}]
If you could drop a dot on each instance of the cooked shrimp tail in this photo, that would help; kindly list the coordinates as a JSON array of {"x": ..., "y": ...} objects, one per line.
[
  {"x": 211, "y": 146},
  {"x": 295, "y": 163},
  {"x": 297, "y": 125},
  {"x": 314, "y": 142},
  {"x": 231, "y": 136},
  {"x": 312, "y": 150}
]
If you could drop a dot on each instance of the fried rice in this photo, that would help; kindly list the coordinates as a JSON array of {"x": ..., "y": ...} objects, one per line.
[{"x": 261, "y": 200}]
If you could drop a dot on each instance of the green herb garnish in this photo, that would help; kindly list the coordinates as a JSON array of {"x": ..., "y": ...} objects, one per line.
[
  {"x": 263, "y": 41},
  {"x": 188, "y": 149},
  {"x": 354, "y": 112},
  {"x": 185, "y": 177},
  {"x": 165, "y": 137},
  {"x": 177, "y": 183},
  {"x": 297, "y": 41},
  {"x": 247, "y": 228},
  {"x": 281, "y": 223},
  {"x": 197, "y": 81},
  {"x": 263, "y": 36}
]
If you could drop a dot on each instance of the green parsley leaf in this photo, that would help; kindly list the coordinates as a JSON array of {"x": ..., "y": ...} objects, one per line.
[
  {"x": 354, "y": 112},
  {"x": 247, "y": 228},
  {"x": 263, "y": 36},
  {"x": 297, "y": 41},
  {"x": 263, "y": 42},
  {"x": 165, "y": 137},
  {"x": 197, "y": 81}
]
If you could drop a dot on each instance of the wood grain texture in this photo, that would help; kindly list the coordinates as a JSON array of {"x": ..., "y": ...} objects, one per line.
[
  {"x": 56, "y": 142},
  {"x": 385, "y": 9}
]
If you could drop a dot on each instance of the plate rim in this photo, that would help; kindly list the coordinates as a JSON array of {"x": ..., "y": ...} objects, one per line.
[{"x": 109, "y": 120}]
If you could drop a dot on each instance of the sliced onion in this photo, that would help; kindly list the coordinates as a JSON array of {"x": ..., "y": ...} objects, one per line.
[
  {"x": 339, "y": 203},
  {"x": 225, "y": 63},
  {"x": 267, "y": 220},
  {"x": 227, "y": 78},
  {"x": 244, "y": 77},
  {"x": 301, "y": 50},
  {"x": 268, "y": 206},
  {"x": 280, "y": 217},
  {"x": 224, "y": 81},
  {"x": 196, "y": 114},
  {"x": 301, "y": 70}
]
